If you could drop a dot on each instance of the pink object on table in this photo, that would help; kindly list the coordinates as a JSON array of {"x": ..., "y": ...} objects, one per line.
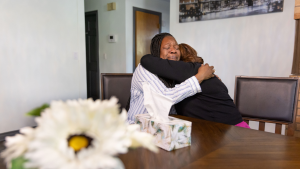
[{"x": 243, "y": 124}]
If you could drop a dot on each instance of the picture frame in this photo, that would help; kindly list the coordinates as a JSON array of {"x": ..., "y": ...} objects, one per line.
[{"x": 201, "y": 10}]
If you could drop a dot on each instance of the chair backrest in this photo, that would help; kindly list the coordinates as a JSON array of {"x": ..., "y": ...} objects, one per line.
[
  {"x": 268, "y": 99},
  {"x": 116, "y": 84}
]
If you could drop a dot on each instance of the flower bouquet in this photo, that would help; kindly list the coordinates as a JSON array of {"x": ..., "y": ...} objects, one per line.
[{"x": 78, "y": 134}]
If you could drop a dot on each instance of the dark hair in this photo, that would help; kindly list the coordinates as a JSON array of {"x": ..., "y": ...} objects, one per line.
[
  {"x": 189, "y": 54},
  {"x": 156, "y": 42}
]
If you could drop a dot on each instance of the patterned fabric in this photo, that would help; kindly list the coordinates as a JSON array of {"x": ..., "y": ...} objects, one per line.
[
  {"x": 178, "y": 93},
  {"x": 170, "y": 135}
]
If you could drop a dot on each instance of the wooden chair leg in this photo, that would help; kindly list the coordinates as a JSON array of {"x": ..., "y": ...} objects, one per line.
[
  {"x": 261, "y": 126},
  {"x": 278, "y": 128},
  {"x": 290, "y": 130},
  {"x": 247, "y": 121}
]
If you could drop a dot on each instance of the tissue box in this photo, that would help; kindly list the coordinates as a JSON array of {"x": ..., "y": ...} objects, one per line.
[{"x": 174, "y": 134}]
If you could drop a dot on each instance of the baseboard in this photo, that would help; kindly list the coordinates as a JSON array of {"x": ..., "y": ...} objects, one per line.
[{"x": 10, "y": 133}]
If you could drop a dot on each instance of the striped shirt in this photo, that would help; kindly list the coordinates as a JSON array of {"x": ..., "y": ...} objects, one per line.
[{"x": 181, "y": 91}]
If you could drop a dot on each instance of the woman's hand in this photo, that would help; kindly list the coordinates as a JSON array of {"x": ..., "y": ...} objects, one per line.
[{"x": 205, "y": 72}]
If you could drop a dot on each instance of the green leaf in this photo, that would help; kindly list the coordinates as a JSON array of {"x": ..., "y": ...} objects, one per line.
[
  {"x": 37, "y": 111},
  {"x": 18, "y": 163}
]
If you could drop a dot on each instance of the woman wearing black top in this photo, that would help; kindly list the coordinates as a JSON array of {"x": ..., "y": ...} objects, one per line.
[{"x": 213, "y": 103}]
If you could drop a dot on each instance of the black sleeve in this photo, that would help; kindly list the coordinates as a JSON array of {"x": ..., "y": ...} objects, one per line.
[{"x": 175, "y": 70}]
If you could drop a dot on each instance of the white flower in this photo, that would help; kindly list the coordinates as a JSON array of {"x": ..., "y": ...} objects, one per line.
[
  {"x": 141, "y": 138},
  {"x": 17, "y": 145},
  {"x": 83, "y": 134}
]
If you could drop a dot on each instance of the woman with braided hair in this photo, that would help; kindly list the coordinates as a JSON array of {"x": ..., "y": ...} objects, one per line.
[
  {"x": 186, "y": 88},
  {"x": 213, "y": 103}
]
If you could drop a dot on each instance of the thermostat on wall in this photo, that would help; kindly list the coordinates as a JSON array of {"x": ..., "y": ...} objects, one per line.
[{"x": 112, "y": 38}]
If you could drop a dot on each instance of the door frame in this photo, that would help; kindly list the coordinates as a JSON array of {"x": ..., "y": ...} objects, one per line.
[
  {"x": 97, "y": 53},
  {"x": 134, "y": 31}
]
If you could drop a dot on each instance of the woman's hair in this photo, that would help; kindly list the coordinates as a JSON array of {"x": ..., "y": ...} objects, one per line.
[
  {"x": 189, "y": 54},
  {"x": 156, "y": 42}
]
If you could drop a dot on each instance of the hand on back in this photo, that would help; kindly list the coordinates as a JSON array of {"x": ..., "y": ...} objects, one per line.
[{"x": 205, "y": 72}]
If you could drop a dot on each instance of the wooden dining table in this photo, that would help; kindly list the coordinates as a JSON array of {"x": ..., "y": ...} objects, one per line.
[{"x": 217, "y": 145}]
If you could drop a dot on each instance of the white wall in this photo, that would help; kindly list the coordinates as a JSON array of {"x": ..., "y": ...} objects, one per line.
[
  {"x": 42, "y": 56},
  {"x": 259, "y": 45},
  {"x": 110, "y": 22},
  {"x": 153, "y": 5}
]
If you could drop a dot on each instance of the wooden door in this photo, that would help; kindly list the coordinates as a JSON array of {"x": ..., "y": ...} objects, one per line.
[
  {"x": 92, "y": 55},
  {"x": 147, "y": 25}
]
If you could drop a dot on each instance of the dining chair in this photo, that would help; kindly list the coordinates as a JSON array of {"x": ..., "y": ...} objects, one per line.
[
  {"x": 268, "y": 99},
  {"x": 116, "y": 84}
]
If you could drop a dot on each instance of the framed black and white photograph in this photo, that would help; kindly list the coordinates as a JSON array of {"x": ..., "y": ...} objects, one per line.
[{"x": 201, "y": 10}]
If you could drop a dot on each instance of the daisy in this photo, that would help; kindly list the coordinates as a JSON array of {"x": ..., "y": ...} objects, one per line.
[
  {"x": 17, "y": 145},
  {"x": 83, "y": 134}
]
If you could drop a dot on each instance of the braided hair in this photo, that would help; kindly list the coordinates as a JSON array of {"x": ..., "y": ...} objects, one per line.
[{"x": 156, "y": 42}]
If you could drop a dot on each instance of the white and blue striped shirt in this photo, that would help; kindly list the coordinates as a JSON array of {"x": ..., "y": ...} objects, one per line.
[{"x": 181, "y": 91}]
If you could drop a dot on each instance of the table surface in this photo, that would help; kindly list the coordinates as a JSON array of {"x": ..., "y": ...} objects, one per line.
[{"x": 216, "y": 145}]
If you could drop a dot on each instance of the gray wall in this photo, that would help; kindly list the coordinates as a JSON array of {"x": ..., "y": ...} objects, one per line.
[
  {"x": 42, "y": 56},
  {"x": 120, "y": 22},
  {"x": 110, "y": 22}
]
